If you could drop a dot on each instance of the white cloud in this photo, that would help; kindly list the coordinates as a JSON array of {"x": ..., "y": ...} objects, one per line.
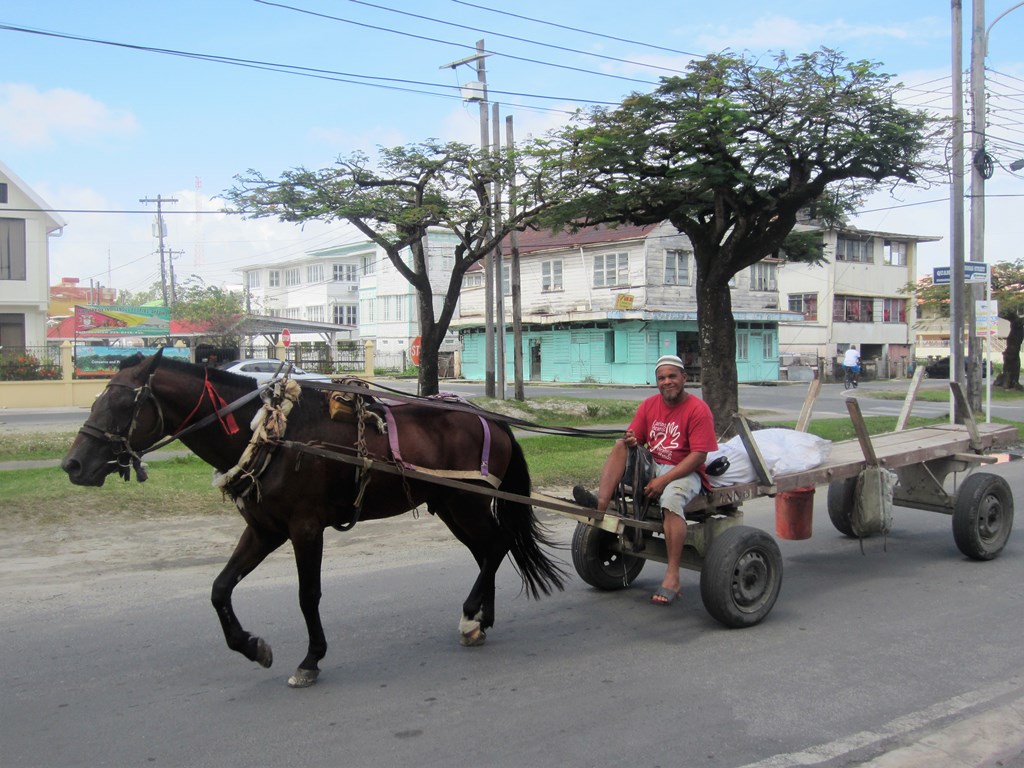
[{"x": 31, "y": 118}]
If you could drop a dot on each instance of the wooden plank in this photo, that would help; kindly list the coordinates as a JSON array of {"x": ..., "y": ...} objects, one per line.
[
  {"x": 908, "y": 401},
  {"x": 805, "y": 412},
  {"x": 764, "y": 476},
  {"x": 964, "y": 407},
  {"x": 853, "y": 406}
]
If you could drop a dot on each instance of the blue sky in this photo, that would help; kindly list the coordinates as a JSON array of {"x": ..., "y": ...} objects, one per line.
[{"x": 95, "y": 127}]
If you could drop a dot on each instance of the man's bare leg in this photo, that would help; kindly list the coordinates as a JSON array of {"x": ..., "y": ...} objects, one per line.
[
  {"x": 675, "y": 536},
  {"x": 611, "y": 473}
]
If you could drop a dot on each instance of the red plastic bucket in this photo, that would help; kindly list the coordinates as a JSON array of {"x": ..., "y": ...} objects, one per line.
[{"x": 794, "y": 511}]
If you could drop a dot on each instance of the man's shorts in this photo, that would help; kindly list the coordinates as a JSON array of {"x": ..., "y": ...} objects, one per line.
[{"x": 678, "y": 493}]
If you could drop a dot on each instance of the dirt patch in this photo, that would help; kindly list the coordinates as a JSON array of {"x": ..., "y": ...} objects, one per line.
[{"x": 35, "y": 558}]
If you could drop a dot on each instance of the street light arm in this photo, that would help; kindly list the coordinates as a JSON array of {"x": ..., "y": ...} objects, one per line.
[{"x": 997, "y": 18}]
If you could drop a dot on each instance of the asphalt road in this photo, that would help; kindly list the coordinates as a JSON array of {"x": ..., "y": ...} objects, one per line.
[{"x": 865, "y": 652}]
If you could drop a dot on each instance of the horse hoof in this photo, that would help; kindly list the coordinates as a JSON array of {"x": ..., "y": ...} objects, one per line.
[
  {"x": 473, "y": 638},
  {"x": 264, "y": 654},
  {"x": 303, "y": 678}
]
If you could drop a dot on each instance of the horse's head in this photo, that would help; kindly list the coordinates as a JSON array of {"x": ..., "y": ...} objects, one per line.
[{"x": 125, "y": 419}]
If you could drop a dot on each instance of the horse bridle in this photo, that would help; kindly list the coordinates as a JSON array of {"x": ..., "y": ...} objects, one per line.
[{"x": 126, "y": 458}]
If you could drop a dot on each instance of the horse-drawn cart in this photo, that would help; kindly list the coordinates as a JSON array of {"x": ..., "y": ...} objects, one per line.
[{"x": 741, "y": 566}]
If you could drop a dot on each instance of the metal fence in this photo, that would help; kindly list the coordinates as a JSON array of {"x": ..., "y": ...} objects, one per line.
[
  {"x": 30, "y": 364},
  {"x": 315, "y": 358}
]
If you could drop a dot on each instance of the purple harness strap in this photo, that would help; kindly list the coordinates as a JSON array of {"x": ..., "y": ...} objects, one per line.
[{"x": 389, "y": 417}]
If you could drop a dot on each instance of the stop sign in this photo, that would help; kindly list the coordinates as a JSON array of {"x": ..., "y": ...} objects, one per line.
[
  {"x": 414, "y": 350},
  {"x": 286, "y": 337}
]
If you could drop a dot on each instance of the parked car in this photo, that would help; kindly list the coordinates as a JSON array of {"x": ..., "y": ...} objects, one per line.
[
  {"x": 264, "y": 370},
  {"x": 939, "y": 369}
]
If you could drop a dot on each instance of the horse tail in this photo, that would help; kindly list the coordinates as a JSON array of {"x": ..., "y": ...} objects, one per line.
[{"x": 525, "y": 533}]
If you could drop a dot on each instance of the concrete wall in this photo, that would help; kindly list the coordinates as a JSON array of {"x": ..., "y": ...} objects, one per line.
[{"x": 52, "y": 394}]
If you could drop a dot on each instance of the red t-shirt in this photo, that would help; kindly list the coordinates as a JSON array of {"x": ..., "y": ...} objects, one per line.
[{"x": 671, "y": 434}]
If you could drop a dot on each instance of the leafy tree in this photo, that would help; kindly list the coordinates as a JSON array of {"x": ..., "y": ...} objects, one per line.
[
  {"x": 395, "y": 201},
  {"x": 729, "y": 153},
  {"x": 1008, "y": 291},
  {"x": 219, "y": 310}
]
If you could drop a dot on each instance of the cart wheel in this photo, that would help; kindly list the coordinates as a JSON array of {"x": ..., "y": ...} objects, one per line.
[
  {"x": 982, "y": 516},
  {"x": 842, "y": 497},
  {"x": 741, "y": 577},
  {"x": 598, "y": 564}
]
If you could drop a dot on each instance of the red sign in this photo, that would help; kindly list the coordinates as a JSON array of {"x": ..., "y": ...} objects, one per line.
[
  {"x": 414, "y": 350},
  {"x": 286, "y": 337}
]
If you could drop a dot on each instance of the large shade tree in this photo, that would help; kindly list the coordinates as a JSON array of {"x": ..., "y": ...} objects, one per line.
[
  {"x": 396, "y": 199},
  {"x": 730, "y": 153}
]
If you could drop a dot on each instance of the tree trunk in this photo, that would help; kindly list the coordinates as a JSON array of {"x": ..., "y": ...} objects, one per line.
[
  {"x": 716, "y": 330},
  {"x": 1011, "y": 355},
  {"x": 430, "y": 344}
]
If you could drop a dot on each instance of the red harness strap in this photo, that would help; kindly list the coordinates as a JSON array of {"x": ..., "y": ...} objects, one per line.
[{"x": 229, "y": 425}]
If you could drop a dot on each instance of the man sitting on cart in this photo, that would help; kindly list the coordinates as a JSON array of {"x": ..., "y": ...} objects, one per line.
[{"x": 679, "y": 431}]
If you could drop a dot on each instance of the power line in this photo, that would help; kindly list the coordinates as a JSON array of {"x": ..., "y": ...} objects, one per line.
[
  {"x": 449, "y": 42},
  {"x": 513, "y": 37},
  {"x": 580, "y": 31}
]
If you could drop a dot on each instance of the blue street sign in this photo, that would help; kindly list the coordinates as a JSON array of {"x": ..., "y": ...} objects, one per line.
[{"x": 974, "y": 272}]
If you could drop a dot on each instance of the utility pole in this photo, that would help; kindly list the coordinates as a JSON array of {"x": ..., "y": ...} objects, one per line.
[
  {"x": 517, "y": 294},
  {"x": 161, "y": 232},
  {"x": 981, "y": 169},
  {"x": 499, "y": 269},
  {"x": 170, "y": 266},
  {"x": 478, "y": 92},
  {"x": 956, "y": 215}
]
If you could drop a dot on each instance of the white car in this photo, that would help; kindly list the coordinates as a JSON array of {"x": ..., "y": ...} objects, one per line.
[{"x": 265, "y": 369}]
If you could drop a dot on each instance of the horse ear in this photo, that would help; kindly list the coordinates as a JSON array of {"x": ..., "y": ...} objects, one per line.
[{"x": 155, "y": 362}]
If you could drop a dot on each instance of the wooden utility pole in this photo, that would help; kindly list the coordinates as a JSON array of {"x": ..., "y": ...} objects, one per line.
[
  {"x": 161, "y": 231},
  {"x": 499, "y": 268},
  {"x": 517, "y": 295},
  {"x": 956, "y": 214}
]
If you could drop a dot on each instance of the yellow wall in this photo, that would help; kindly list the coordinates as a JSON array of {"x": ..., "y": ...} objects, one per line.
[{"x": 49, "y": 394}]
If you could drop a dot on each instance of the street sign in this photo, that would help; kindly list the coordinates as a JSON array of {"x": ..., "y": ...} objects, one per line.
[
  {"x": 415, "y": 349},
  {"x": 286, "y": 337},
  {"x": 974, "y": 272}
]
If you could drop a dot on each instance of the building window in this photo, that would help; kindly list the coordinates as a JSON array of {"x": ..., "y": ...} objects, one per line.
[
  {"x": 894, "y": 310},
  {"x": 768, "y": 346},
  {"x": 292, "y": 276},
  {"x": 849, "y": 249},
  {"x": 253, "y": 279},
  {"x": 677, "y": 268},
  {"x": 804, "y": 303},
  {"x": 274, "y": 278},
  {"x": 3, "y": 192},
  {"x": 762, "y": 276},
  {"x": 12, "y": 249},
  {"x": 475, "y": 280},
  {"x": 611, "y": 269},
  {"x": 369, "y": 265},
  {"x": 852, "y": 309},
  {"x": 315, "y": 273},
  {"x": 896, "y": 253},
  {"x": 345, "y": 273},
  {"x": 551, "y": 275},
  {"x": 742, "y": 346},
  {"x": 351, "y": 314},
  {"x": 315, "y": 314}
]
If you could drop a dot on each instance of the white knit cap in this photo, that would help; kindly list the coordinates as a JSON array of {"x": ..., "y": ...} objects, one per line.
[{"x": 670, "y": 360}]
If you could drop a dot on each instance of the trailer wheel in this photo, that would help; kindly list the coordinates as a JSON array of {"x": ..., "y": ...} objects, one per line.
[
  {"x": 741, "y": 577},
  {"x": 982, "y": 516},
  {"x": 598, "y": 564},
  {"x": 842, "y": 498}
]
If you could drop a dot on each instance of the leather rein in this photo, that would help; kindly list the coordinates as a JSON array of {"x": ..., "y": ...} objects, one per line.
[{"x": 127, "y": 458}]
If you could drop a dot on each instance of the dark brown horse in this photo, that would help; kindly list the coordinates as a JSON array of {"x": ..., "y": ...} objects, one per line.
[{"x": 299, "y": 494}]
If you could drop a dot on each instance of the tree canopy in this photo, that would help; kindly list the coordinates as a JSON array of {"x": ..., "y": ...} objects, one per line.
[
  {"x": 397, "y": 199},
  {"x": 730, "y": 153}
]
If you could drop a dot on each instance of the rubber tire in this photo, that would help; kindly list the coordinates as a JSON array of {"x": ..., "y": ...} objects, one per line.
[
  {"x": 842, "y": 497},
  {"x": 741, "y": 577},
  {"x": 982, "y": 516},
  {"x": 598, "y": 564}
]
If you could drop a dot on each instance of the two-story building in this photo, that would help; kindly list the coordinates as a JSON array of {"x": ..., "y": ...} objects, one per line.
[
  {"x": 603, "y": 304},
  {"x": 354, "y": 285},
  {"x": 26, "y": 224},
  {"x": 857, "y": 297}
]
